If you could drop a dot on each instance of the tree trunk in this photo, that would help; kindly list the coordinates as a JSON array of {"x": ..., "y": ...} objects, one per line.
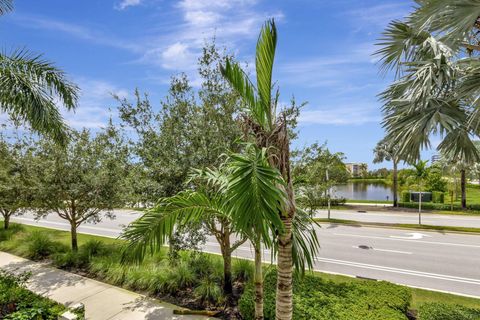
[
  {"x": 395, "y": 184},
  {"x": 463, "y": 185},
  {"x": 6, "y": 221},
  {"x": 227, "y": 265},
  {"x": 284, "y": 298},
  {"x": 258, "y": 280},
  {"x": 73, "y": 232}
]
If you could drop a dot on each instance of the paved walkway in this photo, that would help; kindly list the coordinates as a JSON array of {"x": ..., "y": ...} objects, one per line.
[{"x": 102, "y": 301}]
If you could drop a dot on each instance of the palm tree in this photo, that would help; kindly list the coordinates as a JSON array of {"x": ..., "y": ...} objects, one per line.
[
  {"x": 421, "y": 171},
  {"x": 436, "y": 88},
  {"x": 30, "y": 88},
  {"x": 269, "y": 130},
  {"x": 384, "y": 151}
]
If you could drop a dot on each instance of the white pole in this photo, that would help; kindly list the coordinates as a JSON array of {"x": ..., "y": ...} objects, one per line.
[{"x": 328, "y": 195}]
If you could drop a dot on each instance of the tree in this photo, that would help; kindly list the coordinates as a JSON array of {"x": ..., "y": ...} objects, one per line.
[
  {"x": 316, "y": 171},
  {"x": 385, "y": 151},
  {"x": 31, "y": 87},
  {"x": 436, "y": 87},
  {"x": 269, "y": 130},
  {"x": 16, "y": 178},
  {"x": 170, "y": 142},
  {"x": 81, "y": 181}
]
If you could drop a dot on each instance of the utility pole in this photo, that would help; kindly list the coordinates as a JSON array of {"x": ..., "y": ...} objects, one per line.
[{"x": 328, "y": 194}]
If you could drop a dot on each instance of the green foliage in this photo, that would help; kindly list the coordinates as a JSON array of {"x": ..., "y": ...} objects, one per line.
[
  {"x": 40, "y": 245},
  {"x": 18, "y": 303},
  {"x": 438, "y": 197},
  {"x": 440, "y": 206},
  {"x": 405, "y": 196},
  {"x": 243, "y": 270},
  {"x": 435, "y": 181},
  {"x": 208, "y": 290},
  {"x": 315, "y": 298},
  {"x": 444, "y": 311}
]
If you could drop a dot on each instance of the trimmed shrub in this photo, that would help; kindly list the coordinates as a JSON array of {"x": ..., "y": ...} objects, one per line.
[
  {"x": 443, "y": 311},
  {"x": 438, "y": 197},
  {"x": 405, "y": 196},
  {"x": 71, "y": 259},
  {"x": 208, "y": 290},
  {"x": 315, "y": 298}
]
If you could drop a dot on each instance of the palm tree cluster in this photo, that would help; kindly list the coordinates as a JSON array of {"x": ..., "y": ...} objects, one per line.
[{"x": 434, "y": 54}]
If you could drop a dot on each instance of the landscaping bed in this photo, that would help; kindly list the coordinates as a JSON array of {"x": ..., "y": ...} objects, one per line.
[
  {"x": 193, "y": 280},
  {"x": 17, "y": 302}
]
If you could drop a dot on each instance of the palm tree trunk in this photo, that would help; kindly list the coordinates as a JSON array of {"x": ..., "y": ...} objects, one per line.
[
  {"x": 258, "y": 279},
  {"x": 395, "y": 184},
  {"x": 284, "y": 298},
  {"x": 227, "y": 265},
  {"x": 463, "y": 185}
]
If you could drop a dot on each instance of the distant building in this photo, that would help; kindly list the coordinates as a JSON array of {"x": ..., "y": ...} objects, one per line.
[
  {"x": 356, "y": 169},
  {"x": 435, "y": 158}
]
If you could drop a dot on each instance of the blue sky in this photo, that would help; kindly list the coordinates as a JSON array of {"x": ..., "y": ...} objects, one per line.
[{"x": 324, "y": 54}]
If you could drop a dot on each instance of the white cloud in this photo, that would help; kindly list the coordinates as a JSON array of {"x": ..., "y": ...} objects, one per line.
[
  {"x": 96, "y": 98},
  {"x": 127, "y": 3},
  {"x": 353, "y": 113},
  {"x": 379, "y": 15}
]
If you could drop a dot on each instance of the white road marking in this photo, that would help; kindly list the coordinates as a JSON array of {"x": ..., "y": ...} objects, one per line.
[
  {"x": 401, "y": 271},
  {"x": 383, "y": 250},
  {"x": 412, "y": 236},
  {"x": 409, "y": 240}
]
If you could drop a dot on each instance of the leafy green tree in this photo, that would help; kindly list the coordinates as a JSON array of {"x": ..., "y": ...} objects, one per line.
[
  {"x": 31, "y": 87},
  {"x": 385, "y": 151},
  {"x": 179, "y": 137},
  {"x": 316, "y": 171},
  {"x": 269, "y": 129},
  {"x": 16, "y": 178},
  {"x": 81, "y": 181}
]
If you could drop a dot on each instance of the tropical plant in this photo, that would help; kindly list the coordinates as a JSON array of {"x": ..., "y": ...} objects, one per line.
[
  {"x": 385, "y": 151},
  {"x": 269, "y": 130},
  {"x": 31, "y": 87},
  {"x": 436, "y": 88}
]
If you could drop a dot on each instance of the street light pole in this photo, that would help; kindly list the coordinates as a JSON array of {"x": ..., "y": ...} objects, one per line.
[{"x": 328, "y": 194}]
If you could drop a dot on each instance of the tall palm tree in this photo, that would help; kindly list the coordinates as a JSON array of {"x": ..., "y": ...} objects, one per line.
[
  {"x": 269, "y": 130},
  {"x": 385, "y": 151},
  {"x": 31, "y": 88}
]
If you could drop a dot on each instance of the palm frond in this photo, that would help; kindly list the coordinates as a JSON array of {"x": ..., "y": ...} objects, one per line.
[
  {"x": 239, "y": 80},
  {"x": 255, "y": 195},
  {"x": 5, "y": 6},
  {"x": 305, "y": 244},
  {"x": 153, "y": 229},
  {"x": 30, "y": 88},
  {"x": 265, "y": 55},
  {"x": 457, "y": 146}
]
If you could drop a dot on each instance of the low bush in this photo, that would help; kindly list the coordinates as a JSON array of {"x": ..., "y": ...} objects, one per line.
[
  {"x": 6, "y": 235},
  {"x": 443, "y": 311},
  {"x": 70, "y": 260},
  {"x": 438, "y": 197},
  {"x": 243, "y": 270},
  {"x": 405, "y": 196},
  {"x": 16, "y": 302},
  {"x": 40, "y": 246},
  {"x": 208, "y": 290},
  {"x": 315, "y": 298}
]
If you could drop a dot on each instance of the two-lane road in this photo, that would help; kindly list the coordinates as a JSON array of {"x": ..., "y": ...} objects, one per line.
[{"x": 447, "y": 262}]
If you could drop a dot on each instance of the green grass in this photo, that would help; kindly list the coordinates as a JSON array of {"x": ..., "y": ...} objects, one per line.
[
  {"x": 401, "y": 225},
  {"x": 151, "y": 276}
]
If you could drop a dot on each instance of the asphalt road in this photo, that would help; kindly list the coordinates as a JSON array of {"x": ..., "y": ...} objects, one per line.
[
  {"x": 402, "y": 217},
  {"x": 446, "y": 262}
]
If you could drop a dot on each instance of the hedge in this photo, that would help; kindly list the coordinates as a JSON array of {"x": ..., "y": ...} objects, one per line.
[
  {"x": 443, "y": 311},
  {"x": 439, "y": 206},
  {"x": 405, "y": 197},
  {"x": 315, "y": 298}
]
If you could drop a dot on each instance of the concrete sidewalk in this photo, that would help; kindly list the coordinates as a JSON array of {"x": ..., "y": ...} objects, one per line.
[{"x": 102, "y": 301}]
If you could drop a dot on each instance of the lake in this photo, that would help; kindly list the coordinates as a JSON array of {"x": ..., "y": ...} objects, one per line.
[{"x": 362, "y": 190}]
